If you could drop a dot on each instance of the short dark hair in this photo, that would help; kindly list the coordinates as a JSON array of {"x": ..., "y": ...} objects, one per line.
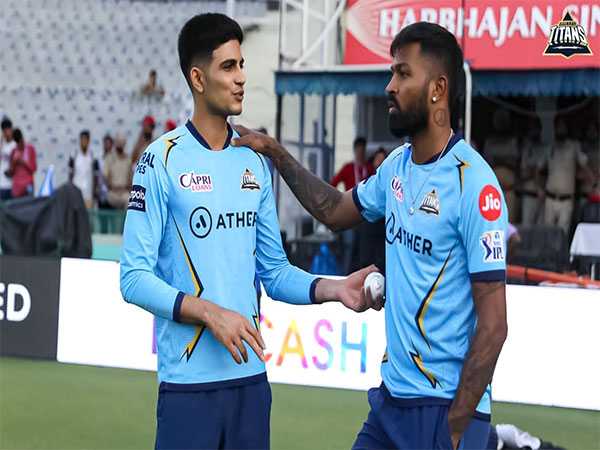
[
  {"x": 17, "y": 135},
  {"x": 6, "y": 123},
  {"x": 380, "y": 150},
  {"x": 359, "y": 141},
  {"x": 203, "y": 34},
  {"x": 439, "y": 43},
  {"x": 84, "y": 133}
]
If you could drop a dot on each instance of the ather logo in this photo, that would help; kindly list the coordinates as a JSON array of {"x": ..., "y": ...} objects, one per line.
[{"x": 15, "y": 302}]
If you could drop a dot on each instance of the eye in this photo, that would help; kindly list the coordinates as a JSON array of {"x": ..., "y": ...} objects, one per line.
[{"x": 404, "y": 74}]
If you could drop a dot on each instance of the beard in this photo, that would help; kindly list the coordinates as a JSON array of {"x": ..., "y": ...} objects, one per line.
[{"x": 409, "y": 121}]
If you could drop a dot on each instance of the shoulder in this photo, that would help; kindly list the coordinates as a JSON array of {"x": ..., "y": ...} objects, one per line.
[
  {"x": 474, "y": 169},
  {"x": 255, "y": 158},
  {"x": 347, "y": 167},
  {"x": 394, "y": 158},
  {"x": 465, "y": 153},
  {"x": 162, "y": 147}
]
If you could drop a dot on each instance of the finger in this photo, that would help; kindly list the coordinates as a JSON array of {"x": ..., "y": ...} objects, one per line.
[
  {"x": 253, "y": 343},
  {"x": 243, "y": 141},
  {"x": 367, "y": 299},
  {"x": 241, "y": 130},
  {"x": 242, "y": 348},
  {"x": 256, "y": 334},
  {"x": 372, "y": 268},
  {"x": 362, "y": 273},
  {"x": 378, "y": 303},
  {"x": 234, "y": 353}
]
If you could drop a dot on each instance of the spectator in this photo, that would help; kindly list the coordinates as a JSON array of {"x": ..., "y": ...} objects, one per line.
[
  {"x": 107, "y": 155},
  {"x": 513, "y": 240},
  {"x": 151, "y": 88},
  {"x": 532, "y": 151},
  {"x": 560, "y": 164},
  {"x": 351, "y": 174},
  {"x": 83, "y": 169},
  {"x": 378, "y": 158},
  {"x": 22, "y": 166},
  {"x": 7, "y": 145},
  {"x": 370, "y": 239},
  {"x": 144, "y": 139},
  {"x": 170, "y": 125},
  {"x": 501, "y": 151},
  {"x": 107, "y": 148},
  {"x": 118, "y": 173},
  {"x": 591, "y": 148},
  {"x": 354, "y": 172}
]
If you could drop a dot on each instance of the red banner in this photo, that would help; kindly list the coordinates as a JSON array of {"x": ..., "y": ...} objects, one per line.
[{"x": 510, "y": 35}]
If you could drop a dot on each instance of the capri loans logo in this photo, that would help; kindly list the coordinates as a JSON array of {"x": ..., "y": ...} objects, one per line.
[{"x": 567, "y": 38}]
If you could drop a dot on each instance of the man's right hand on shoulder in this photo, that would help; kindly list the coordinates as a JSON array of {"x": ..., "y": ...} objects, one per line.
[
  {"x": 325, "y": 203},
  {"x": 229, "y": 327},
  {"x": 257, "y": 141}
]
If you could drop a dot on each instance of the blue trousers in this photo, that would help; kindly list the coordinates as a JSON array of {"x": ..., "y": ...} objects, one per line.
[
  {"x": 392, "y": 425},
  {"x": 234, "y": 417}
]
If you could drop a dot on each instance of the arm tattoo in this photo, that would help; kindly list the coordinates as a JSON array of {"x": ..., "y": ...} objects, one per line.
[{"x": 318, "y": 197}]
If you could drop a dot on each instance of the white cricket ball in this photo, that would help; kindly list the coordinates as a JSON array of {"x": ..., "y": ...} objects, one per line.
[{"x": 375, "y": 283}]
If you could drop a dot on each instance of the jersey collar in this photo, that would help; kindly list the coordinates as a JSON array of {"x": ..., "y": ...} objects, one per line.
[
  {"x": 192, "y": 129},
  {"x": 453, "y": 141}
]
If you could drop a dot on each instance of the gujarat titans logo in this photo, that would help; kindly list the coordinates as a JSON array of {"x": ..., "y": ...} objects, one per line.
[{"x": 567, "y": 38}]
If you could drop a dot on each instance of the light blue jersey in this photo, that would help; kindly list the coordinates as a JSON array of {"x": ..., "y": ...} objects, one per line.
[
  {"x": 203, "y": 223},
  {"x": 454, "y": 235}
]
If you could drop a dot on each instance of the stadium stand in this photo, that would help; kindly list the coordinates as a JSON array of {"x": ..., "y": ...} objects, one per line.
[{"x": 63, "y": 69}]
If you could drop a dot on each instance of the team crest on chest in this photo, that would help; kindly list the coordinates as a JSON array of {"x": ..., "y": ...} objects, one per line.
[
  {"x": 431, "y": 204},
  {"x": 249, "y": 181},
  {"x": 397, "y": 189}
]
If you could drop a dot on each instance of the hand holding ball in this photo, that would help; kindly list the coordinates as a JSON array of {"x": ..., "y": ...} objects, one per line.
[{"x": 375, "y": 287}]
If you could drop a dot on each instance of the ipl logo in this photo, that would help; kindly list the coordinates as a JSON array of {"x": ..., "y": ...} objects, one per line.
[{"x": 397, "y": 189}]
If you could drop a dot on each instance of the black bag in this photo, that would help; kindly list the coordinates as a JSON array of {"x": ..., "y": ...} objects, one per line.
[{"x": 47, "y": 226}]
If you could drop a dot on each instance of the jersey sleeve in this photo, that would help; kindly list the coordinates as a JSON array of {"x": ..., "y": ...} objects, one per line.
[
  {"x": 281, "y": 280},
  {"x": 144, "y": 227},
  {"x": 483, "y": 225},
  {"x": 369, "y": 195}
]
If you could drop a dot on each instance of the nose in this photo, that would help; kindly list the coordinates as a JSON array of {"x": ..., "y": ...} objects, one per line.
[
  {"x": 390, "y": 89},
  {"x": 241, "y": 78}
]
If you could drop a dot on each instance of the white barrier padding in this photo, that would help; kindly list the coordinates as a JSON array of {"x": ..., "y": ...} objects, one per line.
[{"x": 549, "y": 358}]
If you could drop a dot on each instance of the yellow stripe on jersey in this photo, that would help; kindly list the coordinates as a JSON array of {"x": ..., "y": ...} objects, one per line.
[
  {"x": 420, "y": 316},
  {"x": 169, "y": 144},
  {"x": 461, "y": 166},
  {"x": 191, "y": 346},
  {"x": 418, "y": 361}
]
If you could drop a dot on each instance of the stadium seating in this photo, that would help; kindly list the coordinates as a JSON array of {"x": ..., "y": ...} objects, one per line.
[{"x": 73, "y": 64}]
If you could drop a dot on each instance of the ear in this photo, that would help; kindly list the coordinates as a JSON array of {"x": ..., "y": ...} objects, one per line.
[
  {"x": 198, "y": 79},
  {"x": 440, "y": 89}
]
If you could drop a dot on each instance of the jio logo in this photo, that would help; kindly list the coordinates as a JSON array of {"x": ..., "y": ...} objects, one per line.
[
  {"x": 200, "y": 222},
  {"x": 490, "y": 203}
]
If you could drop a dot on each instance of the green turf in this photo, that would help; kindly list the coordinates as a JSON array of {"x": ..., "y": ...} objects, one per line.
[{"x": 55, "y": 406}]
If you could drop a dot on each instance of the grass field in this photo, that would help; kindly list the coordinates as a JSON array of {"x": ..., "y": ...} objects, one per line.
[{"x": 56, "y": 406}]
